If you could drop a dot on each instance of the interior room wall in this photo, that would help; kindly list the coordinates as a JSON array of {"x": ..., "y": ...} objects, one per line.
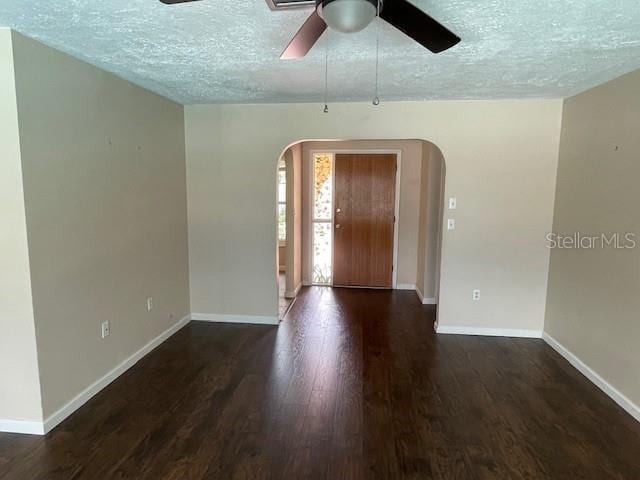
[
  {"x": 411, "y": 164},
  {"x": 501, "y": 159},
  {"x": 430, "y": 223},
  {"x": 294, "y": 220},
  {"x": 435, "y": 212},
  {"x": 422, "y": 222},
  {"x": 282, "y": 249},
  {"x": 105, "y": 195},
  {"x": 593, "y": 301},
  {"x": 19, "y": 381}
]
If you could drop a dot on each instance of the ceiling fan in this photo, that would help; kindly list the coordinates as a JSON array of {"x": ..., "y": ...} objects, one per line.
[{"x": 350, "y": 16}]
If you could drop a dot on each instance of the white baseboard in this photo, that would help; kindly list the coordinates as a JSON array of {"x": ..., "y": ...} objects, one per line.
[
  {"x": 22, "y": 426},
  {"x": 423, "y": 299},
  {"x": 624, "y": 402},
  {"x": 52, "y": 421},
  {"x": 294, "y": 293},
  {"x": 41, "y": 428},
  {"x": 489, "y": 332},
  {"x": 405, "y": 286},
  {"x": 222, "y": 318}
]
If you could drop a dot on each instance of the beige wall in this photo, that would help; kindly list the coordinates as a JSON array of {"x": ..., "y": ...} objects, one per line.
[
  {"x": 19, "y": 383},
  {"x": 294, "y": 219},
  {"x": 593, "y": 300},
  {"x": 411, "y": 164},
  {"x": 501, "y": 159},
  {"x": 282, "y": 250},
  {"x": 422, "y": 219},
  {"x": 430, "y": 222},
  {"x": 105, "y": 194}
]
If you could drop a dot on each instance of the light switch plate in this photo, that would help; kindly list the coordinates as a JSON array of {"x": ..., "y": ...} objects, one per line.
[
  {"x": 451, "y": 224},
  {"x": 453, "y": 203},
  {"x": 105, "y": 329}
]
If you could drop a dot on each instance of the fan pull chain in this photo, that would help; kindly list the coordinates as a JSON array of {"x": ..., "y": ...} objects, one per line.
[
  {"x": 326, "y": 74},
  {"x": 376, "y": 99}
]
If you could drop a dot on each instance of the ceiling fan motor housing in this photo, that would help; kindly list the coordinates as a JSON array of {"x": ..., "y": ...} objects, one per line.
[{"x": 347, "y": 16}]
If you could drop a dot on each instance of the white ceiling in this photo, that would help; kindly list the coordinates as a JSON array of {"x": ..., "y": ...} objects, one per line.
[{"x": 226, "y": 51}]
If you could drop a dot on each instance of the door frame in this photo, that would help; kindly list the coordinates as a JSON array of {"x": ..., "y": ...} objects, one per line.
[{"x": 309, "y": 220}]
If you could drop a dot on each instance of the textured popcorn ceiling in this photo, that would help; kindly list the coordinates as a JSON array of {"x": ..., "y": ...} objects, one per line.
[{"x": 226, "y": 51}]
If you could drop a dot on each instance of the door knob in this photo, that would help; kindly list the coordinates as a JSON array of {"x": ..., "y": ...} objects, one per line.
[
  {"x": 338, "y": 210},
  {"x": 337, "y": 225}
]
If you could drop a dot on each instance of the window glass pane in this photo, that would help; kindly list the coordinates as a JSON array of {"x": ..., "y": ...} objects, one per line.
[
  {"x": 322, "y": 244},
  {"x": 323, "y": 186},
  {"x": 282, "y": 222},
  {"x": 282, "y": 186}
]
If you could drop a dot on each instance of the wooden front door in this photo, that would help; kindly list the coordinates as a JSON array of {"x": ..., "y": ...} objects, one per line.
[{"x": 365, "y": 195}]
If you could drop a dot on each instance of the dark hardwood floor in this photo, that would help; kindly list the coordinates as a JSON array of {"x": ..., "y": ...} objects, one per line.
[{"x": 353, "y": 384}]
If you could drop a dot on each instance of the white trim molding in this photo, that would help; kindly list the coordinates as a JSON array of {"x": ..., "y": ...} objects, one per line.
[
  {"x": 230, "y": 318},
  {"x": 22, "y": 426},
  {"x": 308, "y": 245},
  {"x": 52, "y": 421},
  {"x": 42, "y": 428},
  {"x": 405, "y": 286},
  {"x": 425, "y": 300},
  {"x": 618, "y": 397},
  {"x": 489, "y": 332},
  {"x": 294, "y": 293}
]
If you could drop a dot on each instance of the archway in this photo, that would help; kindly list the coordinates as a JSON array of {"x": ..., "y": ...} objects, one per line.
[{"x": 419, "y": 217}]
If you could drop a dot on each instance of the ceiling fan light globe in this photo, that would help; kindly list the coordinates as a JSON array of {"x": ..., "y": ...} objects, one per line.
[{"x": 348, "y": 16}]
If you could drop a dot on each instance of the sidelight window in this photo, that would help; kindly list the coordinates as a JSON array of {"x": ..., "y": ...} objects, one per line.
[{"x": 322, "y": 218}]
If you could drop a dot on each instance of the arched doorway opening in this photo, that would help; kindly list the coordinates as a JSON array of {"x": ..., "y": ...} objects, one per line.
[{"x": 308, "y": 257}]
